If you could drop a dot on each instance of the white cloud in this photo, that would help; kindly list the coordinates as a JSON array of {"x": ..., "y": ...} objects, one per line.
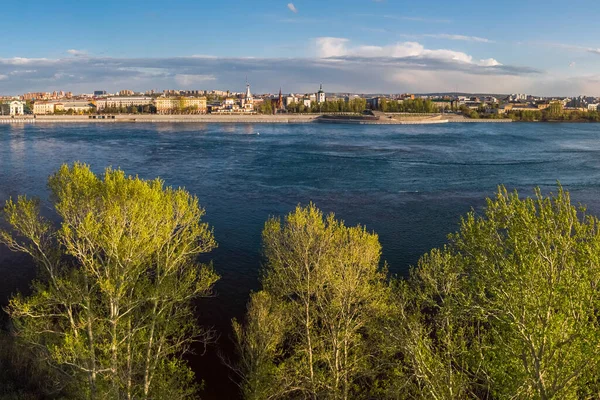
[
  {"x": 23, "y": 71},
  {"x": 336, "y": 47},
  {"x": 23, "y": 61},
  {"x": 459, "y": 37},
  {"x": 2, "y": 77},
  {"x": 292, "y": 8},
  {"x": 331, "y": 47},
  {"x": 489, "y": 62},
  {"x": 571, "y": 64},
  {"x": 77, "y": 53},
  {"x": 190, "y": 79}
]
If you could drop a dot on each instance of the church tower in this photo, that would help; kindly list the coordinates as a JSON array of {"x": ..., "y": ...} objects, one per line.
[
  {"x": 248, "y": 101},
  {"x": 280, "y": 101},
  {"x": 248, "y": 94},
  {"x": 321, "y": 95}
]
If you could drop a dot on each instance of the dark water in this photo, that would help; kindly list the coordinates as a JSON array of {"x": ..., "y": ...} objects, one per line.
[{"x": 410, "y": 184}]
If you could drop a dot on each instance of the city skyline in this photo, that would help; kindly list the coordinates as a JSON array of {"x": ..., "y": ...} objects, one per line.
[{"x": 363, "y": 46}]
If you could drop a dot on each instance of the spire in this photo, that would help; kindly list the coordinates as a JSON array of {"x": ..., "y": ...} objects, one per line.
[
  {"x": 280, "y": 101},
  {"x": 248, "y": 94}
]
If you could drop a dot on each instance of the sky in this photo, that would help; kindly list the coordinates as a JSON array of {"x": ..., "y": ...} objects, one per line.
[{"x": 549, "y": 48}]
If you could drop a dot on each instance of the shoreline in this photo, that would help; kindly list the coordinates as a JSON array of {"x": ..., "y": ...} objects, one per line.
[{"x": 234, "y": 119}]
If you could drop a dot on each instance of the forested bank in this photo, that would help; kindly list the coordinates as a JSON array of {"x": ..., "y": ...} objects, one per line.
[{"x": 507, "y": 309}]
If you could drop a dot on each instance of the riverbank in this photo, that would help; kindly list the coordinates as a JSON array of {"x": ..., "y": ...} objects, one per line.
[
  {"x": 153, "y": 118},
  {"x": 382, "y": 119}
]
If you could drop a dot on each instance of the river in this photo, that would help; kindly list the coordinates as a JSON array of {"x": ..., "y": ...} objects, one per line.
[{"x": 410, "y": 184}]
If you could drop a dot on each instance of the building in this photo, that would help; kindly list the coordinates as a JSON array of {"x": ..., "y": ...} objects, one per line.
[
  {"x": 99, "y": 93},
  {"x": 14, "y": 107},
  {"x": 248, "y": 101},
  {"x": 77, "y": 107},
  {"x": 170, "y": 105},
  {"x": 279, "y": 105},
  {"x": 51, "y": 107},
  {"x": 375, "y": 103},
  {"x": 321, "y": 95},
  {"x": 43, "y": 107},
  {"x": 290, "y": 99},
  {"x": 516, "y": 107},
  {"x": 126, "y": 93},
  {"x": 123, "y": 102},
  {"x": 36, "y": 96}
]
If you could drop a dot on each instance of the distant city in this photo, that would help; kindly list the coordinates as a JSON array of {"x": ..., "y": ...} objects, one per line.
[{"x": 173, "y": 101}]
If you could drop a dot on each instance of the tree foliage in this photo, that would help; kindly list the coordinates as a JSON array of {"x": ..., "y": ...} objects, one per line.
[
  {"x": 409, "y": 106},
  {"x": 111, "y": 309},
  {"x": 266, "y": 107},
  {"x": 307, "y": 331},
  {"x": 356, "y": 105},
  {"x": 509, "y": 308}
]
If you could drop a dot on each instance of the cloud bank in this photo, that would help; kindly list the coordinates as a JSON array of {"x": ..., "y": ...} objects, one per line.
[
  {"x": 341, "y": 65},
  {"x": 336, "y": 47},
  {"x": 459, "y": 37}
]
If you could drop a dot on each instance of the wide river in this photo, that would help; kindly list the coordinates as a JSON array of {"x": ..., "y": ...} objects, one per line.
[{"x": 410, "y": 184}]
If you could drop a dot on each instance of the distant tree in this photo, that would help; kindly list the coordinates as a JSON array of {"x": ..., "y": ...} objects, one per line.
[
  {"x": 266, "y": 107},
  {"x": 554, "y": 111}
]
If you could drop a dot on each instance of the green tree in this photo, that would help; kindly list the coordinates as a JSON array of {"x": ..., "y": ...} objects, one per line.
[
  {"x": 554, "y": 111},
  {"x": 306, "y": 334},
  {"x": 508, "y": 309},
  {"x": 112, "y": 307},
  {"x": 266, "y": 107}
]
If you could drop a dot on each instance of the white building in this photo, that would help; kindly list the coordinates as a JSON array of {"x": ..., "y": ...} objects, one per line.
[
  {"x": 593, "y": 107},
  {"x": 290, "y": 99},
  {"x": 14, "y": 107},
  {"x": 248, "y": 100},
  {"x": 43, "y": 107},
  {"x": 321, "y": 95}
]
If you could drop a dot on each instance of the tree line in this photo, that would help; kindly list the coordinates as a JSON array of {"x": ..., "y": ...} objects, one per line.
[
  {"x": 544, "y": 115},
  {"x": 408, "y": 106},
  {"x": 554, "y": 112},
  {"x": 133, "y": 109},
  {"x": 508, "y": 308},
  {"x": 356, "y": 105}
]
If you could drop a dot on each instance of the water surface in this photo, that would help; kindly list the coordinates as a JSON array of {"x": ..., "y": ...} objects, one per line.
[{"x": 409, "y": 183}]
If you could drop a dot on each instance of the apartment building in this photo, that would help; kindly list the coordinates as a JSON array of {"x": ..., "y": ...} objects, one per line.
[
  {"x": 168, "y": 105},
  {"x": 122, "y": 102}
]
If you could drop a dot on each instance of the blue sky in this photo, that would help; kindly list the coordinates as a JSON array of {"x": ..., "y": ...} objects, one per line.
[{"x": 548, "y": 48}]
